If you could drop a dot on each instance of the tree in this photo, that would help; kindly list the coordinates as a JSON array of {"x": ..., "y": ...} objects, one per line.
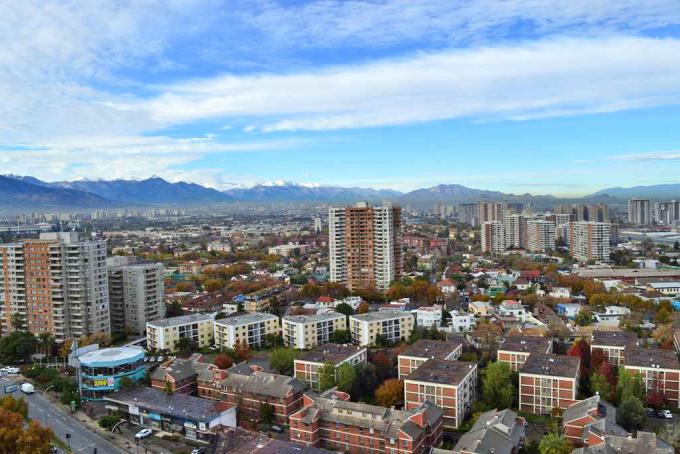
[
  {"x": 599, "y": 384},
  {"x": 383, "y": 366},
  {"x": 581, "y": 349},
  {"x": 365, "y": 383},
  {"x": 326, "y": 376},
  {"x": 282, "y": 360},
  {"x": 554, "y": 443},
  {"x": 390, "y": 392},
  {"x": 17, "y": 321},
  {"x": 655, "y": 396},
  {"x": 346, "y": 377},
  {"x": 344, "y": 308},
  {"x": 126, "y": 383},
  {"x": 242, "y": 351},
  {"x": 18, "y": 406},
  {"x": 663, "y": 316},
  {"x": 497, "y": 388},
  {"x": 267, "y": 413},
  {"x": 184, "y": 344},
  {"x": 628, "y": 386},
  {"x": 17, "y": 346},
  {"x": 341, "y": 336},
  {"x": 223, "y": 361},
  {"x": 16, "y": 437},
  {"x": 631, "y": 414},
  {"x": 663, "y": 334},
  {"x": 363, "y": 308},
  {"x": 213, "y": 285},
  {"x": 174, "y": 309},
  {"x": 168, "y": 388}
]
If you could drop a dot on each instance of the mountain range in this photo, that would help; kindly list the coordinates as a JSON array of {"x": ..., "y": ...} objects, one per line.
[{"x": 26, "y": 192}]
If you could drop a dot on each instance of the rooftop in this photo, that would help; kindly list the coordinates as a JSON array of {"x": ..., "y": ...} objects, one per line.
[
  {"x": 614, "y": 338},
  {"x": 427, "y": 348},
  {"x": 245, "y": 319},
  {"x": 181, "y": 320},
  {"x": 442, "y": 372},
  {"x": 528, "y": 344},
  {"x": 551, "y": 365},
  {"x": 334, "y": 353},
  {"x": 112, "y": 356},
  {"x": 381, "y": 315},
  {"x": 652, "y": 358},
  {"x": 314, "y": 317}
]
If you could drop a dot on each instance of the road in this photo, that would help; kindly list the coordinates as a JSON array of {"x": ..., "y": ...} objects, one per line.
[{"x": 82, "y": 439}]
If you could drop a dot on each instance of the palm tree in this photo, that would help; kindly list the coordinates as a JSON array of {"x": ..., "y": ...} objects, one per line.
[{"x": 46, "y": 342}]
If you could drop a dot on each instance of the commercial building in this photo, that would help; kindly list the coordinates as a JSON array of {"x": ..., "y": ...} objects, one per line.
[
  {"x": 589, "y": 241},
  {"x": 540, "y": 236},
  {"x": 249, "y": 388},
  {"x": 251, "y": 329},
  {"x": 56, "y": 284},
  {"x": 547, "y": 382},
  {"x": 450, "y": 385},
  {"x": 423, "y": 350},
  {"x": 639, "y": 212},
  {"x": 391, "y": 325},
  {"x": 100, "y": 371},
  {"x": 493, "y": 237},
  {"x": 515, "y": 350},
  {"x": 165, "y": 335},
  {"x": 365, "y": 246},
  {"x": 659, "y": 370},
  {"x": 331, "y": 421},
  {"x": 135, "y": 295},
  {"x": 189, "y": 416},
  {"x": 497, "y": 432},
  {"x": 613, "y": 345},
  {"x": 307, "y": 331},
  {"x": 306, "y": 366}
]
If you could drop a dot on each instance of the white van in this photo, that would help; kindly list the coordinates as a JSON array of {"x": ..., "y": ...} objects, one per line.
[{"x": 27, "y": 388}]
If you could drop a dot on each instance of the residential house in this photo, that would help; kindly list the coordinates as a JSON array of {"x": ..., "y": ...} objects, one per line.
[{"x": 497, "y": 432}]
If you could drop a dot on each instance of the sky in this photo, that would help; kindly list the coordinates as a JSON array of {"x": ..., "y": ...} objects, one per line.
[{"x": 538, "y": 96}]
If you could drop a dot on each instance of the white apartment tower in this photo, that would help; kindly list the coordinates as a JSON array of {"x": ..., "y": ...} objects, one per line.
[
  {"x": 639, "y": 212},
  {"x": 540, "y": 235},
  {"x": 136, "y": 294},
  {"x": 515, "y": 231},
  {"x": 365, "y": 245},
  {"x": 589, "y": 241},
  {"x": 493, "y": 237},
  {"x": 56, "y": 284}
]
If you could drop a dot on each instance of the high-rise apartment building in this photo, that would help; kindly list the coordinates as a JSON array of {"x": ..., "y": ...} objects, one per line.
[
  {"x": 540, "y": 235},
  {"x": 468, "y": 214},
  {"x": 365, "y": 245},
  {"x": 585, "y": 212},
  {"x": 515, "y": 231},
  {"x": 490, "y": 211},
  {"x": 639, "y": 212},
  {"x": 56, "y": 284},
  {"x": 589, "y": 241},
  {"x": 667, "y": 213},
  {"x": 493, "y": 237},
  {"x": 136, "y": 293}
]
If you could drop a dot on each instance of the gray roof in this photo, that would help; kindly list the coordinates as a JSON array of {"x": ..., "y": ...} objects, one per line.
[
  {"x": 580, "y": 409},
  {"x": 528, "y": 344},
  {"x": 644, "y": 443},
  {"x": 427, "y": 348},
  {"x": 247, "y": 380},
  {"x": 551, "y": 365},
  {"x": 332, "y": 315},
  {"x": 494, "y": 431},
  {"x": 246, "y": 319},
  {"x": 334, "y": 353},
  {"x": 442, "y": 372},
  {"x": 180, "y": 405},
  {"x": 652, "y": 357},
  {"x": 381, "y": 315},
  {"x": 179, "y": 369},
  {"x": 181, "y": 320},
  {"x": 614, "y": 338}
]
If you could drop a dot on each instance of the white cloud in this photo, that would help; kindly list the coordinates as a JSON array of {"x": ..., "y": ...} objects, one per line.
[
  {"x": 671, "y": 155},
  {"x": 547, "y": 78}
]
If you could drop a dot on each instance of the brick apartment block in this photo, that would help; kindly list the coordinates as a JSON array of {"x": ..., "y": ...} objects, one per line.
[
  {"x": 516, "y": 349},
  {"x": 306, "y": 366},
  {"x": 547, "y": 382},
  {"x": 331, "y": 421},
  {"x": 451, "y": 385},
  {"x": 424, "y": 349},
  {"x": 613, "y": 344},
  {"x": 659, "y": 369}
]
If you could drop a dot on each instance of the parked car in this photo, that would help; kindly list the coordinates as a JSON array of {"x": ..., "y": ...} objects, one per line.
[
  {"x": 660, "y": 414},
  {"x": 198, "y": 451},
  {"x": 277, "y": 429},
  {"x": 27, "y": 388},
  {"x": 10, "y": 370},
  {"x": 667, "y": 414},
  {"x": 143, "y": 433},
  {"x": 651, "y": 413}
]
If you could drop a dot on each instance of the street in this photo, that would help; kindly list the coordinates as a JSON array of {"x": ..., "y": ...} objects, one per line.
[{"x": 82, "y": 439}]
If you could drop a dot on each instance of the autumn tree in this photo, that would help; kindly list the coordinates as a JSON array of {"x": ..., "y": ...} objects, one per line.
[
  {"x": 581, "y": 349},
  {"x": 14, "y": 405},
  {"x": 390, "y": 392},
  {"x": 223, "y": 361},
  {"x": 363, "y": 308},
  {"x": 242, "y": 351},
  {"x": 663, "y": 334}
]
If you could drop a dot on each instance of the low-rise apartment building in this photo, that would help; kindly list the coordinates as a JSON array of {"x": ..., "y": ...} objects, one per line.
[
  {"x": 659, "y": 371},
  {"x": 165, "y": 335},
  {"x": 516, "y": 349},
  {"x": 306, "y": 366},
  {"x": 249, "y": 388},
  {"x": 613, "y": 345},
  {"x": 547, "y": 382},
  {"x": 390, "y": 324},
  {"x": 422, "y": 350},
  {"x": 307, "y": 331},
  {"x": 427, "y": 316},
  {"x": 178, "y": 375},
  {"x": 331, "y": 421},
  {"x": 251, "y": 329},
  {"x": 450, "y": 385}
]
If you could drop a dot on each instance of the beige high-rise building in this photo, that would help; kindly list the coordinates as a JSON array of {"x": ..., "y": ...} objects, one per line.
[
  {"x": 493, "y": 237},
  {"x": 365, "y": 245},
  {"x": 490, "y": 211},
  {"x": 589, "y": 241},
  {"x": 540, "y": 235},
  {"x": 135, "y": 294},
  {"x": 56, "y": 284}
]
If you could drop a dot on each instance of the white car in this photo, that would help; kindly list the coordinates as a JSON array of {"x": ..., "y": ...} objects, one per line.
[
  {"x": 143, "y": 433},
  {"x": 10, "y": 370},
  {"x": 667, "y": 414},
  {"x": 27, "y": 388}
]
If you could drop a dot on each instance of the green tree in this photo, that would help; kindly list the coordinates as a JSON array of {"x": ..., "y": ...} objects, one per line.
[
  {"x": 346, "y": 377},
  {"x": 17, "y": 346},
  {"x": 267, "y": 413},
  {"x": 599, "y": 384},
  {"x": 631, "y": 414},
  {"x": 184, "y": 344},
  {"x": 126, "y": 383},
  {"x": 282, "y": 360},
  {"x": 341, "y": 336},
  {"x": 168, "y": 388},
  {"x": 497, "y": 388},
  {"x": 554, "y": 443},
  {"x": 174, "y": 309},
  {"x": 628, "y": 386},
  {"x": 326, "y": 376}
]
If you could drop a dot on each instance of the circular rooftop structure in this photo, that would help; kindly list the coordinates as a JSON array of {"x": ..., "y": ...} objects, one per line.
[{"x": 111, "y": 356}]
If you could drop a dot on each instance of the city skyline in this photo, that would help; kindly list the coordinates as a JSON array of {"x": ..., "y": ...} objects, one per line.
[{"x": 515, "y": 98}]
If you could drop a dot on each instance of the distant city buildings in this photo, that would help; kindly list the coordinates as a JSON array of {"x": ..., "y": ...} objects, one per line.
[
  {"x": 639, "y": 212},
  {"x": 365, "y": 245},
  {"x": 468, "y": 214},
  {"x": 490, "y": 211}
]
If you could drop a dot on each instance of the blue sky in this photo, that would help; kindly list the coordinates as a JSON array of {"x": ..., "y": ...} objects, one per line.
[{"x": 535, "y": 96}]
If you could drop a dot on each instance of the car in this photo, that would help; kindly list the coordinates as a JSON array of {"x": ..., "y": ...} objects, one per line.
[
  {"x": 198, "y": 451},
  {"x": 660, "y": 414},
  {"x": 9, "y": 370},
  {"x": 161, "y": 359},
  {"x": 651, "y": 413},
  {"x": 143, "y": 433},
  {"x": 667, "y": 414},
  {"x": 27, "y": 388},
  {"x": 277, "y": 429}
]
